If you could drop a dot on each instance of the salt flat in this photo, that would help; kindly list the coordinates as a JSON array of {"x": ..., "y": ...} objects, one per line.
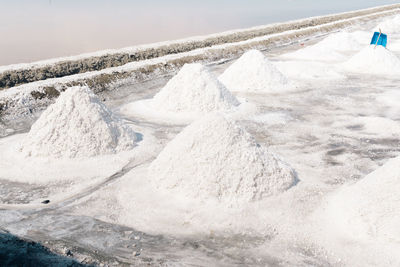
[{"x": 336, "y": 127}]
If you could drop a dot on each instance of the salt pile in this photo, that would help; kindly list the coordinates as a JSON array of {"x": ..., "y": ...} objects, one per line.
[
  {"x": 378, "y": 125},
  {"x": 374, "y": 60},
  {"x": 329, "y": 48},
  {"x": 334, "y": 47},
  {"x": 389, "y": 26},
  {"x": 78, "y": 124},
  {"x": 370, "y": 208},
  {"x": 390, "y": 99},
  {"x": 254, "y": 72},
  {"x": 213, "y": 158},
  {"x": 344, "y": 41},
  {"x": 194, "y": 90}
]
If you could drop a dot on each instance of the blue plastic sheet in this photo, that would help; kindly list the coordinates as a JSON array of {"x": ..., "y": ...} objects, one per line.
[{"x": 382, "y": 39}]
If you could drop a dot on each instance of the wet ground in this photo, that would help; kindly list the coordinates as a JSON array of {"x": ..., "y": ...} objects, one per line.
[{"x": 318, "y": 132}]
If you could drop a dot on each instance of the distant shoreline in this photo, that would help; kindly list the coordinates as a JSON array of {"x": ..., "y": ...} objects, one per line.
[
  {"x": 38, "y": 31},
  {"x": 17, "y": 74}
]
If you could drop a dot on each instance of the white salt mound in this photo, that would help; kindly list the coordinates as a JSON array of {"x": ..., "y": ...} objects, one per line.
[
  {"x": 213, "y": 158},
  {"x": 195, "y": 90},
  {"x": 315, "y": 53},
  {"x": 343, "y": 41},
  {"x": 390, "y": 99},
  {"x": 78, "y": 124},
  {"x": 331, "y": 48},
  {"x": 370, "y": 208},
  {"x": 374, "y": 60},
  {"x": 389, "y": 26},
  {"x": 255, "y": 73}
]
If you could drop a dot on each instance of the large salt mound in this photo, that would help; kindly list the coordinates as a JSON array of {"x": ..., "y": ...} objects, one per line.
[
  {"x": 255, "y": 73},
  {"x": 78, "y": 124},
  {"x": 213, "y": 158},
  {"x": 370, "y": 208},
  {"x": 194, "y": 90},
  {"x": 374, "y": 60}
]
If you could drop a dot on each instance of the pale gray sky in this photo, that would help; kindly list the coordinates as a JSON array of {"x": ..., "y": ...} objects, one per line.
[{"x": 31, "y": 30}]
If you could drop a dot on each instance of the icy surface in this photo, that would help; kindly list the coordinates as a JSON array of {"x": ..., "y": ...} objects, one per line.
[{"x": 77, "y": 125}]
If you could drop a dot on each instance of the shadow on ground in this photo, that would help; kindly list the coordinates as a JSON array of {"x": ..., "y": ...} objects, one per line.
[{"x": 18, "y": 252}]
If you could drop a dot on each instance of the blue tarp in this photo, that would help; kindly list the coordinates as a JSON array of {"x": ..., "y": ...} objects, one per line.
[{"x": 382, "y": 39}]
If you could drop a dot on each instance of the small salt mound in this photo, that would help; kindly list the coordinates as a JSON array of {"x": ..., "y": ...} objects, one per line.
[
  {"x": 344, "y": 41},
  {"x": 330, "y": 48},
  {"x": 389, "y": 26},
  {"x": 213, "y": 158},
  {"x": 315, "y": 53},
  {"x": 370, "y": 208},
  {"x": 301, "y": 70},
  {"x": 194, "y": 90},
  {"x": 255, "y": 73},
  {"x": 374, "y": 60},
  {"x": 78, "y": 124}
]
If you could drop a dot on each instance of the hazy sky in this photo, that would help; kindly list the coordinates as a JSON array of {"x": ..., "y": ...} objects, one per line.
[{"x": 38, "y": 29}]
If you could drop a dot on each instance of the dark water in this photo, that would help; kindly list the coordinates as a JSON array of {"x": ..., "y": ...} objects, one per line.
[{"x": 32, "y": 30}]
